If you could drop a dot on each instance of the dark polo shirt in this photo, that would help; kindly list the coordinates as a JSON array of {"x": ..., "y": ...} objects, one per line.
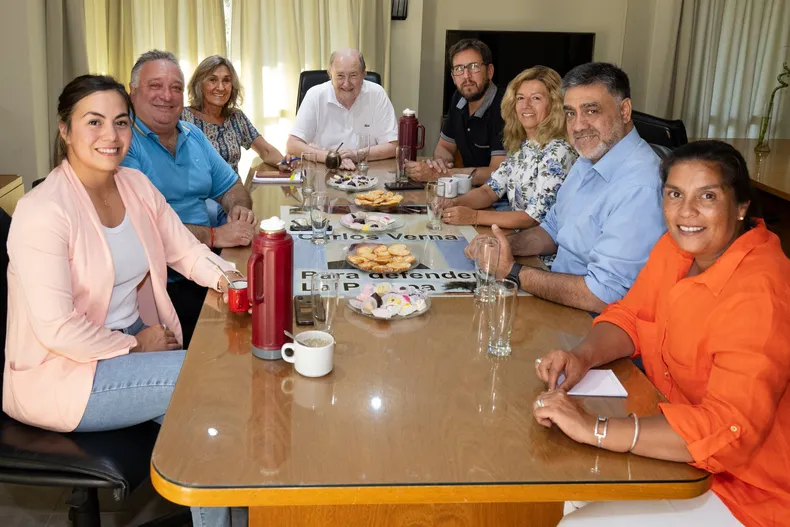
[{"x": 478, "y": 137}]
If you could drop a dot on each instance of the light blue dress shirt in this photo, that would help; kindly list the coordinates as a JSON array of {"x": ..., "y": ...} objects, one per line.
[
  {"x": 608, "y": 216},
  {"x": 195, "y": 174}
]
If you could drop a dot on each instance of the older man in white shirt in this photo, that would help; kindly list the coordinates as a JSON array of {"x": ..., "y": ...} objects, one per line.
[{"x": 336, "y": 111}]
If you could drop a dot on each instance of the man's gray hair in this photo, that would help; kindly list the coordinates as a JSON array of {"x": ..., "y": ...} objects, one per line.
[
  {"x": 615, "y": 79},
  {"x": 359, "y": 54},
  {"x": 148, "y": 56}
]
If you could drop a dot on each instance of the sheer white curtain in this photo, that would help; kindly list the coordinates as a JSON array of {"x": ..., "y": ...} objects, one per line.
[
  {"x": 272, "y": 41},
  {"x": 729, "y": 53},
  {"x": 118, "y": 31}
]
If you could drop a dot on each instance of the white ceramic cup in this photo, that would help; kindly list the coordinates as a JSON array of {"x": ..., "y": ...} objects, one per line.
[
  {"x": 310, "y": 361},
  {"x": 450, "y": 187},
  {"x": 463, "y": 183}
]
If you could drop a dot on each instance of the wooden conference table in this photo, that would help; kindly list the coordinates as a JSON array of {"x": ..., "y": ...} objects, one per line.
[{"x": 416, "y": 425}]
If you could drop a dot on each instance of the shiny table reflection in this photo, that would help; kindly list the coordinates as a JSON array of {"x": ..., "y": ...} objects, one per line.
[{"x": 414, "y": 414}]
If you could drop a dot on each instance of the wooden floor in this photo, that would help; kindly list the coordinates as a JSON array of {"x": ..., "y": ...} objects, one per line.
[{"x": 23, "y": 506}]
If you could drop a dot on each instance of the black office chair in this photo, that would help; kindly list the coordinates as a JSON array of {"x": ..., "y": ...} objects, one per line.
[
  {"x": 664, "y": 135},
  {"x": 86, "y": 462},
  {"x": 310, "y": 78}
]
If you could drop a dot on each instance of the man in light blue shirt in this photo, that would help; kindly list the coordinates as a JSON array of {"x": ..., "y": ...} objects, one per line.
[{"x": 608, "y": 213}]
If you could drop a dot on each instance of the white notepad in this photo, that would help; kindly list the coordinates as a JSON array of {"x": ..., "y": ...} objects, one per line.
[
  {"x": 297, "y": 180},
  {"x": 597, "y": 383}
]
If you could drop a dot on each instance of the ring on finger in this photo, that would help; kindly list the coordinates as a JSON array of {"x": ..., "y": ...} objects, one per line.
[
  {"x": 538, "y": 361},
  {"x": 540, "y": 403}
]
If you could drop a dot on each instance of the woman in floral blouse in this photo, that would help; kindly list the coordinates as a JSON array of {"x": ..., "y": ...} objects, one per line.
[
  {"x": 539, "y": 157},
  {"x": 214, "y": 97}
]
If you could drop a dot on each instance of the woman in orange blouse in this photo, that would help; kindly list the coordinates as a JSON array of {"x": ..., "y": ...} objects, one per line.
[{"x": 710, "y": 316}]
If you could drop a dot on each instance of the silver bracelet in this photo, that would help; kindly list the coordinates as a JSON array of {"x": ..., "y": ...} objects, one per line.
[
  {"x": 636, "y": 431},
  {"x": 601, "y": 435}
]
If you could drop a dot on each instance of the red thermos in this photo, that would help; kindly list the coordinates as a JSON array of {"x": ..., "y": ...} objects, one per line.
[
  {"x": 409, "y": 129},
  {"x": 269, "y": 286}
]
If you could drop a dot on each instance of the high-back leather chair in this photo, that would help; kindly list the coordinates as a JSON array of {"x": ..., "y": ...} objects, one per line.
[
  {"x": 664, "y": 135},
  {"x": 310, "y": 78},
  {"x": 118, "y": 460}
]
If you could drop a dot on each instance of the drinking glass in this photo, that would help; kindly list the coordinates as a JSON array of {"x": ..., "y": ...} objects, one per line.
[
  {"x": 502, "y": 312},
  {"x": 309, "y": 168},
  {"x": 324, "y": 290},
  {"x": 434, "y": 190},
  {"x": 486, "y": 263},
  {"x": 320, "y": 209},
  {"x": 402, "y": 156},
  {"x": 363, "y": 150}
]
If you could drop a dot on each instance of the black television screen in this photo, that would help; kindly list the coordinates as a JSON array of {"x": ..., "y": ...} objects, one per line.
[{"x": 515, "y": 51}]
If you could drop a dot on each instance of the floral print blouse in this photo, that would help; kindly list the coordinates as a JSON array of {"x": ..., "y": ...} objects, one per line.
[
  {"x": 532, "y": 176},
  {"x": 228, "y": 137}
]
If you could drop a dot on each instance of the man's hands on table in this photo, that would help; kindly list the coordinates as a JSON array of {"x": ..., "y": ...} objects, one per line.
[
  {"x": 428, "y": 170},
  {"x": 506, "y": 259},
  {"x": 348, "y": 159},
  {"x": 238, "y": 231}
]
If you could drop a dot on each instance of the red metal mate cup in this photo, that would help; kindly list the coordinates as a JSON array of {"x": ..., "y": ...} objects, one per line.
[
  {"x": 269, "y": 287},
  {"x": 238, "y": 299}
]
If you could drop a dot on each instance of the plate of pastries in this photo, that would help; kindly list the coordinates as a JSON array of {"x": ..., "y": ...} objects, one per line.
[
  {"x": 371, "y": 222},
  {"x": 352, "y": 181},
  {"x": 387, "y": 301},
  {"x": 381, "y": 258},
  {"x": 377, "y": 199}
]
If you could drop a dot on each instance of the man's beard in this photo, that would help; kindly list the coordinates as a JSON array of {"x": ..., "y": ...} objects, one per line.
[{"x": 478, "y": 94}]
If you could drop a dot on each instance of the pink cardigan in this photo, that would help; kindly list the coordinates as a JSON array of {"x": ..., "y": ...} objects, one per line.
[{"x": 60, "y": 278}]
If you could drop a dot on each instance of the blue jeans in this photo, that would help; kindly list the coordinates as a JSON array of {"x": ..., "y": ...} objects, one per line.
[{"x": 135, "y": 388}]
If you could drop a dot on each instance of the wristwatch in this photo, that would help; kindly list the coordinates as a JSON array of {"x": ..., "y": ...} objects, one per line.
[{"x": 514, "y": 272}]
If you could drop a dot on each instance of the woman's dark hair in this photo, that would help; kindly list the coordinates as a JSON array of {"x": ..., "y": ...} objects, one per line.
[
  {"x": 73, "y": 93},
  {"x": 730, "y": 164}
]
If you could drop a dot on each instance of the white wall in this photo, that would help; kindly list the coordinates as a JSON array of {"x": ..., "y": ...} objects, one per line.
[
  {"x": 405, "y": 44},
  {"x": 605, "y": 18},
  {"x": 24, "y": 145}
]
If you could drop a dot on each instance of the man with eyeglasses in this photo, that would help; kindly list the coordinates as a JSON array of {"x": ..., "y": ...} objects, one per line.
[
  {"x": 473, "y": 126},
  {"x": 336, "y": 111}
]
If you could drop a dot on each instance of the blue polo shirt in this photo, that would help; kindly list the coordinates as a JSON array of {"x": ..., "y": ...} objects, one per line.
[
  {"x": 196, "y": 173},
  {"x": 608, "y": 217}
]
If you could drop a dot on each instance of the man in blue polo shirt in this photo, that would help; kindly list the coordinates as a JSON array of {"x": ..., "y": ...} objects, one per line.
[
  {"x": 183, "y": 165},
  {"x": 608, "y": 213},
  {"x": 473, "y": 126}
]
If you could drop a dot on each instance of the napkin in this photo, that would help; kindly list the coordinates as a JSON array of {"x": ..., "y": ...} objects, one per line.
[{"x": 597, "y": 383}]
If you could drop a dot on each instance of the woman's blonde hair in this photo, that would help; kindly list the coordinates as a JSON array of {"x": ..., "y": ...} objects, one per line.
[
  {"x": 203, "y": 72},
  {"x": 553, "y": 127}
]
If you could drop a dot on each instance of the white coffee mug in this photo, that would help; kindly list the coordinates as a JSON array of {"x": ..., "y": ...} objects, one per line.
[
  {"x": 463, "y": 183},
  {"x": 450, "y": 187},
  {"x": 310, "y": 361}
]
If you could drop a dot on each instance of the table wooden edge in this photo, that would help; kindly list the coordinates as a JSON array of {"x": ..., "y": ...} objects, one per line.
[
  {"x": 422, "y": 494},
  {"x": 771, "y": 190}
]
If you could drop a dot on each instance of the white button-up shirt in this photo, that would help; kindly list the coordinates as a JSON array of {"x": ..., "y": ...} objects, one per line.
[{"x": 323, "y": 122}]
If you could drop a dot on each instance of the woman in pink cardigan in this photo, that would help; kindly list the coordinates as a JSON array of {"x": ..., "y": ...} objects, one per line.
[{"x": 93, "y": 340}]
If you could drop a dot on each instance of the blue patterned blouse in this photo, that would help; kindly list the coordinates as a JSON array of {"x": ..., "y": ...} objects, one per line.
[{"x": 228, "y": 137}]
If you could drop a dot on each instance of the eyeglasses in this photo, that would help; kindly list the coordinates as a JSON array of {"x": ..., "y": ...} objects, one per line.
[{"x": 473, "y": 67}]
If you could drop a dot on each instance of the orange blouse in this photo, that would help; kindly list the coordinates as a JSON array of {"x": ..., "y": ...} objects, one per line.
[{"x": 717, "y": 346}]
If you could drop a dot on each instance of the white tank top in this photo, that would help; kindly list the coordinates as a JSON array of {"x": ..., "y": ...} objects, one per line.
[{"x": 131, "y": 266}]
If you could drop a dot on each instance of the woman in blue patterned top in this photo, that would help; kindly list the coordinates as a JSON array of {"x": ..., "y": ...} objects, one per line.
[
  {"x": 539, "y": 157},
  {"x": 215, "y": 95}
]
